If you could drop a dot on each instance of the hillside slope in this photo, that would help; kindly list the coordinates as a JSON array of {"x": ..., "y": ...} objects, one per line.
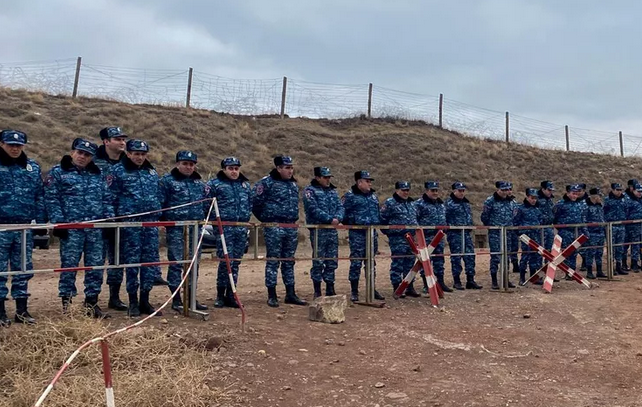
[{"x": 390, "y": 149}]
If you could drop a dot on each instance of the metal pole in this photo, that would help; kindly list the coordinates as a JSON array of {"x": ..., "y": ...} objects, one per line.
[
  {"x": 568, "y": 144},
  {"x": 621, "y": 145},
  {"x": 503, "y": 276},
  {"x": 609, "y": 251},
  {"x": 315, "y": 246},
  {"x": 109, "y": 390},
  {"x": 185, "y": 292},
  {"x": 507, "y": 127},
  {"x": 76, "y": 77},
  {"x": 283, "y": 94},
  {"x": 117, "y": 246},
  {"x": 23, "y": 251},
  {"x": 441, "y": 110},
  {"x": 369, "y": 266},
  {"x": 256, "y": 241},
  {"x": 189, "y": 87},
  {"x": 369, "y": 100},
  {"x": 194, "y": 276}
]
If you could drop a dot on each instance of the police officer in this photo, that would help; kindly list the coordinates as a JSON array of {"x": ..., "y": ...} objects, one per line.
[
  {"x": 234, "y": 197},
  {"x": 458, "y": 213},
  {"x": 512, "y": 236},
  {"x": 583, "y": 198},
  {"x": 597, "y": 234},
  {"x": 400, "y": 210},
  {"x": 431, "y": 211},
  {"x": 182, "y": 185},
  {"x": 21, "y": 201},
  {"x": 569, "y": 210},
  {"x": 499, "y": 210},
  {"x": 323, "y": 207},
  {"x": 361, "y": 207},
  {"x": 630, "y": 191},
  {"x": 529, "y": 214},
  {"x": 633, "y": 230},
  {"x": 134, "y": 185},
  {"x": 76, "y": 191},
  {"x": 275, "y": 198},
  {"x": 545, "y": 201},
  {"x": 615, "y": 207},
  {"x": 109, "y": 154}
]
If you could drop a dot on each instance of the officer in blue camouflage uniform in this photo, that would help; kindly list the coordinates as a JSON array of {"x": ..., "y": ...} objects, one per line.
[
  {"x": 512, "y": 236},
  {"x": 275, "y": 198},
  {"x": 234, "y": 197},
  {"x": 634, "y": 230},
  {"x": 583, "y": 198},
  {"x": 323, "y": 207},
  {"x": 21, "y": 201},
  {"x": 76, "y": 191},
  {"x": 529, "y": 214},
  {"x": 109, "y": 154},
  {"x": 630, "y": 191},
  {"x": 361, "y": 207},
  {"x": 499, "y": 210},
  {"x": 431, "y": 211},
  {"x": 134, "y": 185},
  {"x": 545, "y": 201},
  {"x": 400, "y": 210},
  {"x": 595, "y": 214},
  {"x": 182, "y": 185},
  {"x": 570, "y": 210},
  {"x": 615, "y": 206},
  {"x": 459, "y": 213}
]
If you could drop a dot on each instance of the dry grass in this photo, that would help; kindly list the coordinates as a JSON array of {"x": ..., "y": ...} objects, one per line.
[
  {"x": 150, "y": 367},
  {"x": 391, "y": 149}
]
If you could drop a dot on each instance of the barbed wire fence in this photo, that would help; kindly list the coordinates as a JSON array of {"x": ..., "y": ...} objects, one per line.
[{"x": 297, "y": 98}]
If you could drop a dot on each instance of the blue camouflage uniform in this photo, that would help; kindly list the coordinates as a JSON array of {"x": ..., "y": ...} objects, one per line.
[
  {"x": 634, "y": 230},
  {"x": 497, "y": 211},
  {"x": 234, "y": 198},
  {"x": 21, "y": 201},
  {"x": 76, "y": 195},
  {"x": 597, "y": 235},
  {"x": 322, "y": 205},
  {"x": 432, "y": 212},
  {"x": 567, "y": 212},
  {"x": 275, "y": 199},
  {"x": 459, "y": 213},
  {"x": 546, "y": 204},
  {"x": 529, "y": 215},
  {"x": 135, "y": 190},
  {"x": 178, "y": 189},
  {"x": 512, "y": 236},
  {"x": 615, "y": 209},
  {"x": 361, "y": 208},
  {"x": 399, "y": 211}
]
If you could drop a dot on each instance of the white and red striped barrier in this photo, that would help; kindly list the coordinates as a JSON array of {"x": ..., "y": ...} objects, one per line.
[
  {"x": 555, "y": 251},
  {"x": 557, "y": 261}
]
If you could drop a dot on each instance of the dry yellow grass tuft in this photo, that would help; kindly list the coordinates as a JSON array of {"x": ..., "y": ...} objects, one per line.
[{"x": 150, "y": 367}]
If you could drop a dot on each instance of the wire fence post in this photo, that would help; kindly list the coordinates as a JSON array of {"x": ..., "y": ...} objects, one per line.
[
  {"x": 621, "y": 145},
  {"x": 189, "y": 87},
  {"x": 609, "y": 251},
  {"x": 283, "y": 93},
  {"x": 441, "y": 110},
  {"x": 109, "y": 390},
  {"x": 507, "y": 128},
  {"x": 76, "y": 77},
  {"x": 369, "y": 100},
  {"x": 568, "y": 144}
]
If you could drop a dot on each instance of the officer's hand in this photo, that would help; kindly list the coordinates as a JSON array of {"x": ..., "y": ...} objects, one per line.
[
  {"x": 61, "y": 233},
  {"x": 39, "y": 232},
  {"x": 109, "y": 234},
  {"x": 335, "y": 221}
]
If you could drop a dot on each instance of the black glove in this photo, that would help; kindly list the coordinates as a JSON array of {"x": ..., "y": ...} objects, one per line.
[
  {"x": 61, "y": 233},
  {"x": 39, "y": 232},
  {"x": 109, "y": 234}
]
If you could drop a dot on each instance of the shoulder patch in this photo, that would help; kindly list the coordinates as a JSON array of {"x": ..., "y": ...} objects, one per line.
[
  {"x": 308, "y": 193},
  {"x": 259, "y": 189},
  {"x": 48, "y": 180},
  {"x": 109, "y": 179},
  {"x": 29, "y": 167}
]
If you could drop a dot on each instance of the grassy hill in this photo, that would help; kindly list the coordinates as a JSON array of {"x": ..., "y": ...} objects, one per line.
[{"x": 390, "y": 149}]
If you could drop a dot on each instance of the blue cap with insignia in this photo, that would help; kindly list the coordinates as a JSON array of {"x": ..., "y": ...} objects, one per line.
[
  {"x": 363, "y": 174},
  {"x": 575, "y": 188},
  {"x": 84, "y": 145},
  {"x": 616, "y": 186},
  {"x": 403, "y": 185},
  {"x": 431, "y": 185},
  {"x": 110, "y": 132},
  {"x": 186, "y": 155},
  {"x": 230, "y": 162},
  {"x": 137, "y": 145},
  {"x": 13, "y": 137},
  {"x": 547, "y": 185},
  {"x": 322, "y": 172},
  {"x": 283, "y": 160},
  {"x": 458, "y": 185},
  {"x": 531, "y": 192}
]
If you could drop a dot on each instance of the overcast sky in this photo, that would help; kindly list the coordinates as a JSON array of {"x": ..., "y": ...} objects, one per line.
[{"x": 575, "y": 62}]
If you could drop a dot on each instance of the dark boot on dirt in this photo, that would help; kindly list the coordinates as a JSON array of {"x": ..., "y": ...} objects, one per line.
[
  {"x": 457, "y": 283},
  {"x": 471, "y": 284},
  {"x": 635, "y": 267},
  {"x": 354, "y": 290},
  {"x": 425, "y": 281},
  {"x": 230, "y": 301},
  {"x": 145, "y": 307},
  {"x": 589, "y": 273},
  {"x": 272, "y": 300},
  {"x": 522, "y": 277},
  {"x": 158, "y": 280},
  {"x": 291, "y": 297},
  {"x": 621, "y": 270},
  {"x": 515, "y": 266},
  {"x": 317, "y": 289},
  {"x": 329, "y": 289},
  {"x": 22, "y": 313},
  {"x": 598, "y": 271},
  {"x": 493, "y": 283},
  {"x": 442, "y": 284},
  {"x": 114, "y": 299},
  {"x": 133, "y": 311},
  {"x": 625, "y": 267},
  {"x": 177, "y": 303},
  {"x": 219, "y": 302},
  {"x": 410, "y": 291},
  {"x": 4, "y": 320},
  {"x": 93, "y": 310},
  {"x": 378, "y": 296},
  {"x": 66, "y": 302}
]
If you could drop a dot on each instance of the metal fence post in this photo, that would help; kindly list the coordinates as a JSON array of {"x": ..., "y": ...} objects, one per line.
[
  {"x": 609, "y": 251},
  {"x": 189, "y": 87},
  {"x": 76, "y": 77},
  {"x": 283, "y": 94},
  {"x": 369, "y": 266},
  {"x": 503, "y": 247},
  {"x": 194, "y": 276},
  {"x": 186, "y": 293},
  {"x": 23, "y": 251},
  {"x": 369, "y": 100}
]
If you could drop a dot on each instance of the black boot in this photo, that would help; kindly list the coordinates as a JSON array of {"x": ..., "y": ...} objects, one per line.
[
  {"x": 145, "y": 307},
  {"x": 623, "y": 270},
  {"x": 219, "y": 302},
  {"x": 329, "y": 289},
  {"x": 410, "y": 291},
  {"x": 66, "y": 302},
  {"x": 598, "y": 271},
  {"x": 4, "y": 320},
  {"x": 158, "y": 280},
  {"x": 133, "y": 311},
  {"x": 272, "y": 300},
  {"x": 425, "y": 289},
  {"x": 202, "y": 307},
  {"x": 522, "y": 277},
  {"x": 635, "y": 267},
  {"x": 230, "y": 301},
  {"x": 114, "y": 299},
  {"x": 515, "y": 266},
  {"x": 378, "y": 296},
  {"x": 583, "y": 266},
  {"x": 177, "y": 303},
  {"x": 624, "y": 264},
  {"x": 493, "y": 284},
  {"x": 93, "y": 310},
  {"x": 589, "y": 273},
  {"x": 471, "y": 284},
  {"x": 317, "y": 289},
  {"x": 394, "y": 290},
  {"x": 354, "y": 290},
  {"x": 442, "y": 284},
  {"x": 291, "y": 297},
  {"x": 22, "y": 313},
  {"x": 457, "y": 283}
]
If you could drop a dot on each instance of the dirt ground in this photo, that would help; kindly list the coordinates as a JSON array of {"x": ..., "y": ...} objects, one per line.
[{"x": 574, "y": 347}]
